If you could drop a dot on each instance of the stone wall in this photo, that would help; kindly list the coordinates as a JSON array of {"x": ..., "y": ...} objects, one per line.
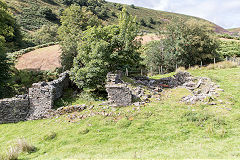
[
  {"x": 37, "y": 104},
  {"x": 118, "y": 93},
  {"x": 14, "y": 109},
  {"x": 42, "y": 96}
]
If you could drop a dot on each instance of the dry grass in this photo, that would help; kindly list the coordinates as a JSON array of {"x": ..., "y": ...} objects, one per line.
[
  {"x": 47, "y": 58},
  {"x": 222, "y": 65},
  {"x": 24, "y": 146},
  {"x": 12, "y": 153},
  {"x": 20, "y": 146},
  {"x": 180, "y": 69},
  {"x": 219, "y": 65}
]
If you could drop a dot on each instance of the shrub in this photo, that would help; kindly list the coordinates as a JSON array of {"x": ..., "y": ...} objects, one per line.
[{"x": 50, "y": 136}]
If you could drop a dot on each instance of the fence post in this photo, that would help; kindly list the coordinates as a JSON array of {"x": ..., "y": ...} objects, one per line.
[
  {"x": 126, "y": 72},
  {"x": 226, "y": 58},
  {"x": 161, "y": 70},
  {"x": 214, "y": 61},
  {"x": 201, "y": 64},
  {"x": 189, "y": 66}
]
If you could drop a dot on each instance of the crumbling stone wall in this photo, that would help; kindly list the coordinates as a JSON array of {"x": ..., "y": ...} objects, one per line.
[
  {"x": 37, "y": 104},
  {"x": 14, "y": 109},
  {"x": 42, "y": 96},
  {"x": 118, "y": 93}
]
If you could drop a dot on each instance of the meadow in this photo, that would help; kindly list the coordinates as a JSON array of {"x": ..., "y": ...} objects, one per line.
[{"x": 161, "y": 129}]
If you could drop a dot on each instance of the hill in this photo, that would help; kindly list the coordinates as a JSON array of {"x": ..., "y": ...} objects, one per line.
[
  {"x": 235, "y": 30},
  {"x": 31, "y": 15},
  {"x": 161, "y": 129}
]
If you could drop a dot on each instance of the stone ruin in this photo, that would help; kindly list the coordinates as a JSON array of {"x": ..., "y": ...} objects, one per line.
[
  {"x": 37, "y": 104},
  {"x": 122, "y": 93}
]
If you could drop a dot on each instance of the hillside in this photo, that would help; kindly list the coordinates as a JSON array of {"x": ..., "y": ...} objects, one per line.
[
  {"x": 31, "y": 15},
  {"x": 161, "y": 129},
  {"x": 235, "y": 30}
]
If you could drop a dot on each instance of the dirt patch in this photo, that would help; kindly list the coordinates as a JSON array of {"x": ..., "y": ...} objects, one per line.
[
  {"x": 47, "y": 58},
  {"x": 148, "y": 38},
  {"x": 225, "y": 39}
]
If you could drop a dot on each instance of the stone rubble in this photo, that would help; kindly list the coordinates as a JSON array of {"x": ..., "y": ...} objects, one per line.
[{"x": 121, "y": 93}]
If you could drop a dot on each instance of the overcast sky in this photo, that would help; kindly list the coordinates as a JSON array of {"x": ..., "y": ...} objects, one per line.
[{"x": 225, "y": 13}]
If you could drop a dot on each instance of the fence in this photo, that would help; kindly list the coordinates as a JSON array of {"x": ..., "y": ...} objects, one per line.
[{"x": 161, "y": 70}]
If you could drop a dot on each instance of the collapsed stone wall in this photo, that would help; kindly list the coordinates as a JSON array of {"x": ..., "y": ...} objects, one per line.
[
  {"x": 121, "y": 93},
  {"x": 37, "y": 104},
  {"x": 43, "y": 94}
]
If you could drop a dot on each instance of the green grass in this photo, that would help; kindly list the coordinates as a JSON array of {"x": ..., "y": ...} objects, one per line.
[{"x": 161, "y": 129}]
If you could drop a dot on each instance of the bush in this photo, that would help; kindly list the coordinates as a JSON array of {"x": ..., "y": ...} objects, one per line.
[
  {"x": 229, "y": 48},
  {"x": 50, "y": 136}
]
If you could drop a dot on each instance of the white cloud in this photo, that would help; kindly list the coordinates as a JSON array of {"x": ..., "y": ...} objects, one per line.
[{"x": 221, "y": 12}]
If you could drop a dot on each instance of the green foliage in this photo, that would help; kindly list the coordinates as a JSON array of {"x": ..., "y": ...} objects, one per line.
[
  {"x": 9, "y": 30},
  {"x": 21, "y": 80},
  {"x": 34, "y": 16},
  {"x": 143, "y": 23},
  {"x": 46, "y": 34},
  {"x": 154, "y": 55},
  {"x": 9, "y": 36},
  {"x": 189, "y": 43},
  {"x": 74, "y": 20},
  {"x": 229, "y": 48},
  {"x": 105, "y": 49}
]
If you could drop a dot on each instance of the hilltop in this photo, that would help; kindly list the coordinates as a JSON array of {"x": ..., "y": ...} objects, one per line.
[{"x": 31, "y": 15}]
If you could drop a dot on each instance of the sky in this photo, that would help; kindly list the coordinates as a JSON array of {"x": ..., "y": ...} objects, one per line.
[{"x": 225, "y": 13}]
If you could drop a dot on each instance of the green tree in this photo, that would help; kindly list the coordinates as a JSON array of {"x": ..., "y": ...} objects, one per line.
[
  {"x": 189, "y": 43},
  {"x": 6, "y": 36},
  {"x": 74, "y": 20},
  {"x": 9, "y": 30},
  {"x": 106, "y": 49},
  {"x": 153, "y": 55}
]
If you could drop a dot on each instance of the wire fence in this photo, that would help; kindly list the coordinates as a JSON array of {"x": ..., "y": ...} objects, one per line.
[{"x": 162, "y": 70}]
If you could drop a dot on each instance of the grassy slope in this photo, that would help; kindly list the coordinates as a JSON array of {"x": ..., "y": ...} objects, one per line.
[
  {"x": 141, "y": 13},
  {"x": 165, "y": 129},
  {"x": 234, "y": 30}
]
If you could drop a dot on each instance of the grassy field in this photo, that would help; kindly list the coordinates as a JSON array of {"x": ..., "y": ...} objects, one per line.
[{"x": 161, "y": 129}]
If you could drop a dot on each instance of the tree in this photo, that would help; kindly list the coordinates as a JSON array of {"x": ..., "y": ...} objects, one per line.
[
  {"x": 74, "y": 20},
  {"x": 106, "y": 49},
  {"x": 6, "y": 36},
  {"x": 154, "y": 55},
  {"x": 189, "y": 43},
  {"x": 9, "y": 30}
]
